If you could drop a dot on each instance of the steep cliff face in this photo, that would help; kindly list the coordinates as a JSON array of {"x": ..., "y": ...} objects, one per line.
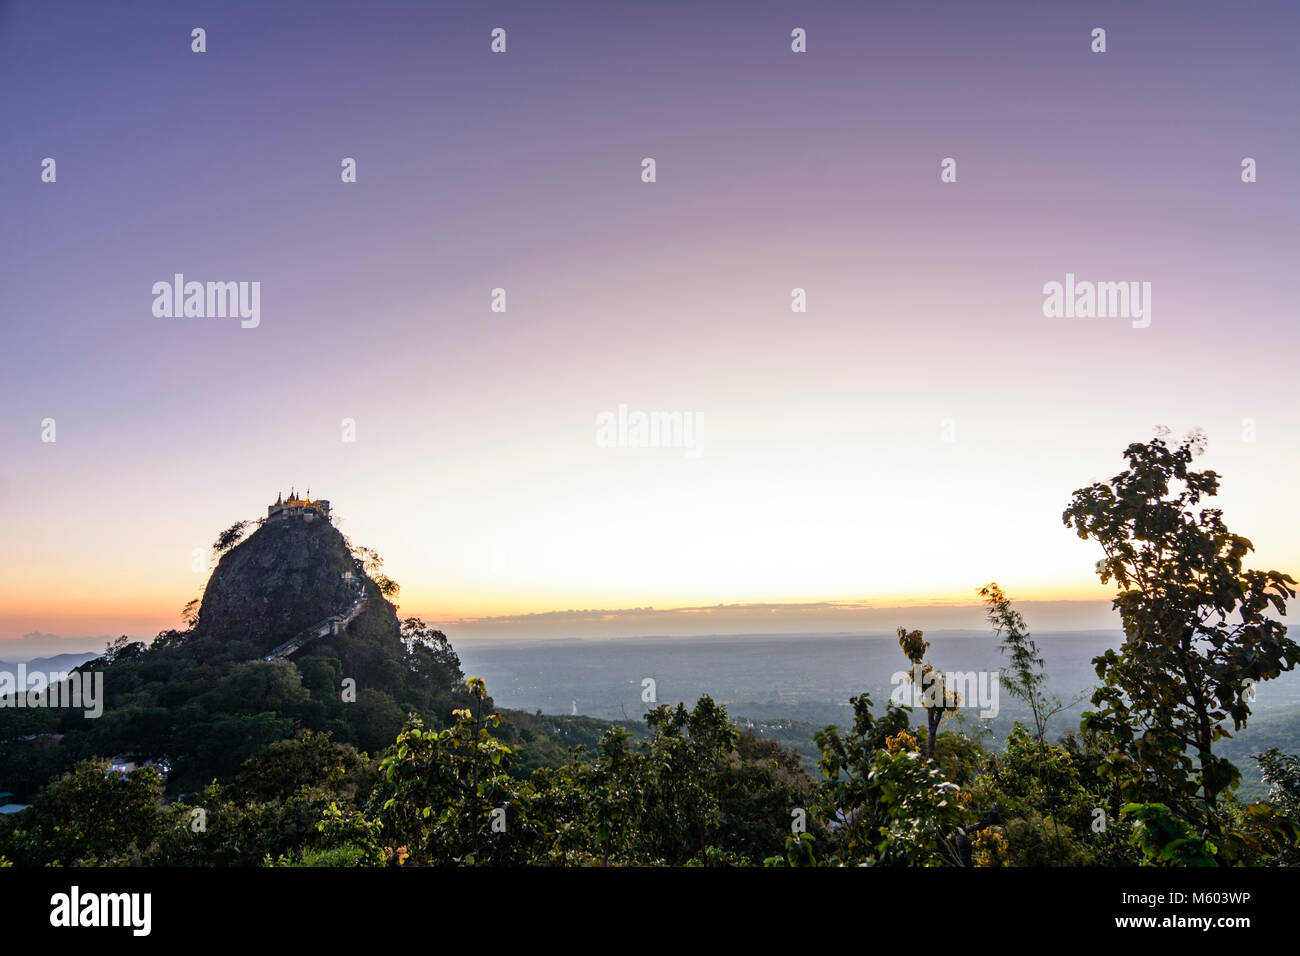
[{"x": 286, "y": 576}]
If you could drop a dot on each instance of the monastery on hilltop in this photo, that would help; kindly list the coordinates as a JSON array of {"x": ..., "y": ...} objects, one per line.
[{"x": 297, "y": 507}]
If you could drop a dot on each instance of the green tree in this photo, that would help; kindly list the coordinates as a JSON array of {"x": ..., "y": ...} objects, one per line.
[
  {"x": 371, "y": 563},
  {"x": 1025, "y": 677},
  {"x": 936, "y": 699},
  {"x": 1165, "y": 838},
  {"x": 429, "y": 655},
  {"x": 441, "y": 791},
  {"x": 697, "y": 793},
  {"x": 1197, "y": 634},
  {"x": 884, "y": 802},
  {"x": 310, "y": 758},
  {"x": 1281, "y": 772},
  {"x": 1054, "y": 809},
  {"x": 91, "y": 816}
]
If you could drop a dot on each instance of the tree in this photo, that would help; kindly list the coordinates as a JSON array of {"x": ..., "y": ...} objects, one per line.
[
  {"x": 445, "y": 795},
  {"x": 120, "y": 650},
  {"x": 229, "y": 538},
  {"x": 935, "y": 697},
  {"x": 697, "y": 793},
  {"x": 369, "y": 561},
  {"x": 1281, "y": 772},
  {"x": 367, "y": 558},
  {"x": 432, "y": 664},
  {"x": 1025, "y": 678},
  {"x": 1197, "y": 635},
  {"x": 886, "y": 803},
  {"x": 92, "y": 816},
  {"x": 310, "y": 758},
  {"x": 681, "y": 808},
  {"x": 1055, "y": 810}
]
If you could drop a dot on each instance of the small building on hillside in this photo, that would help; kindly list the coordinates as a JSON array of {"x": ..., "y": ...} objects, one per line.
[{"x": 125, "y": 763}]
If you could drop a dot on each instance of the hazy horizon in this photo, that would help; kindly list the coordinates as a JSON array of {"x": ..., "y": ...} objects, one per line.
[{"x": 643, "y": 623}]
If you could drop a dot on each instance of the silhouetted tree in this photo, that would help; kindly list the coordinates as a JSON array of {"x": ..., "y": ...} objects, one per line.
[
  {"x": 229, "y": 538},
  {"x": 1025, "y": 678},
  {"x": 1196, "y": 632}
]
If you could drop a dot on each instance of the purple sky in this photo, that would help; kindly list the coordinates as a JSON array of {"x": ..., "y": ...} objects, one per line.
[{"x": 823, "y": 474}]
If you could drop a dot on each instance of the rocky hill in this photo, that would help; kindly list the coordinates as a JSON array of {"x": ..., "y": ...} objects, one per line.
[
  {"x": 205, "y": 700},
  {"x": 284, "y": 577}
]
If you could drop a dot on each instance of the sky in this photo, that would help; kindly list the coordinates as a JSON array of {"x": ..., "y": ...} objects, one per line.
[{"x": 912, "y": 435}]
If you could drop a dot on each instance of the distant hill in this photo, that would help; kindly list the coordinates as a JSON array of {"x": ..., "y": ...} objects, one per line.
[{"x": 56, "y": 664}]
